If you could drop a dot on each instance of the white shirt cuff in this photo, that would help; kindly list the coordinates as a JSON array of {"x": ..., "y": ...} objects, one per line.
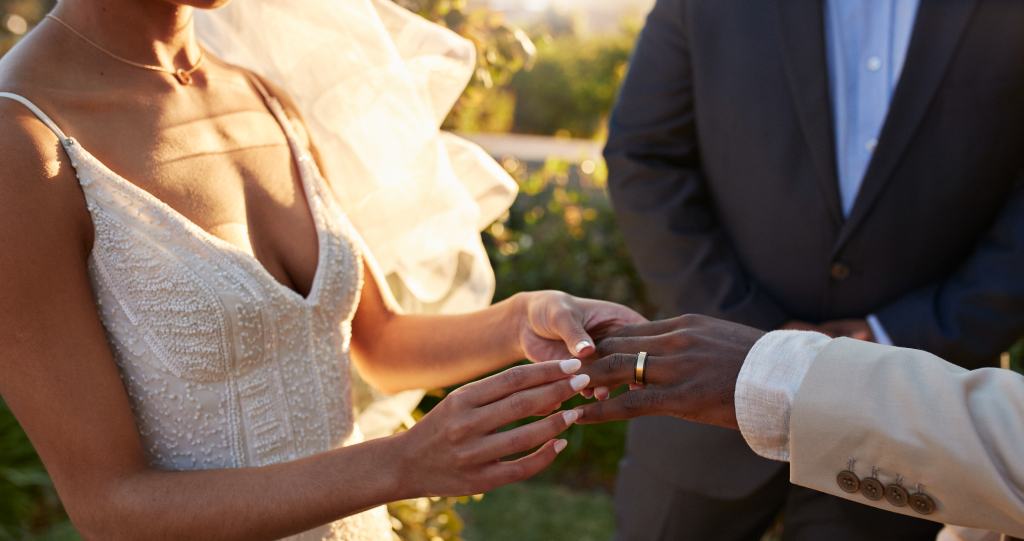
[
  {"x": 768, "y": 381},
  {"x": 881, "y": 336}
]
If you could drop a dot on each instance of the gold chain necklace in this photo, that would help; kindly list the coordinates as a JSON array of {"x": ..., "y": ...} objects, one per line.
[{"x": 183, "y": 76}]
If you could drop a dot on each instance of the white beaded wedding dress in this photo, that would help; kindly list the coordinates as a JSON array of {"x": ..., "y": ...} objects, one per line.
[{"x": 224, "y": 366}]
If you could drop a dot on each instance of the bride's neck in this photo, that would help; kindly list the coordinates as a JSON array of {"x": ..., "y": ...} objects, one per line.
[{"x": 145, "y": 31}]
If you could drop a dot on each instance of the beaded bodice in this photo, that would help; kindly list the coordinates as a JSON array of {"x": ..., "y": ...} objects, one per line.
[{"x": 224, "y": 366}]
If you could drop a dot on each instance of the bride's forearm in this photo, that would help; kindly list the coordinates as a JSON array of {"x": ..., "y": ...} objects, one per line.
[
  {"x": 268, "y": 502},
  {"x": 398, "y": 352}
]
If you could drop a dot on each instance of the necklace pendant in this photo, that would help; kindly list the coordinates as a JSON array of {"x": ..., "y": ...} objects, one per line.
[{"x": 183, "y": 77}]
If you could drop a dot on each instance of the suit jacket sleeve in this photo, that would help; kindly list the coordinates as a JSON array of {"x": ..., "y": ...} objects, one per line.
[
  {"x": 971, "y": 316},
  {"x": 661, "y": 201},
  {"x": 958, "y": 433}
]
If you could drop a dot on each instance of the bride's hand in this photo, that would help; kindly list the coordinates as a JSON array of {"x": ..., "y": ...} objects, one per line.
[
  {"x": 455, "y": 449},
  {"x": 556, "y": 325}
]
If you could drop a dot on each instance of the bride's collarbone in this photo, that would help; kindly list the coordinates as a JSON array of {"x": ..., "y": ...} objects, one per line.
[{"x": 229, "y": 169}]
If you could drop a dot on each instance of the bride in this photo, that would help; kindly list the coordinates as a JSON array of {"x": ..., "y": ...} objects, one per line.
[{"x": 181, "y": 292}]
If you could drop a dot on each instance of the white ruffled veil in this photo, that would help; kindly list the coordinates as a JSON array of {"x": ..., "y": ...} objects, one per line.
[{"x": 374, "y": 82}]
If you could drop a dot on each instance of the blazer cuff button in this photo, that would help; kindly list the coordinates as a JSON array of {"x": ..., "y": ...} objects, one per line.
[
  {"x": 896, "y": 495},
  {"x": 922, "y": 503},
  {"x": 848, "y": 481},
  {"x": 872, "y": 489}
]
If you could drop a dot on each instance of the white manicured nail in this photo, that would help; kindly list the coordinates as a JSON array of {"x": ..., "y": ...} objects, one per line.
[
  {"x": 570, "y": 416},
  {"x": 579, "y": 382},
  {"x": 582, "y": 345},
  {"x": 560, "y": 444},
  {"x": 570, "y": 366},
  {"x": 579, "y": 413}
]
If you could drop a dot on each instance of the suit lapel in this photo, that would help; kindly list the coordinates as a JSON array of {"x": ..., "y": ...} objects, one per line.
[
  {"x": 937, "y": 32},
  {"x": 801, "y": 26}
]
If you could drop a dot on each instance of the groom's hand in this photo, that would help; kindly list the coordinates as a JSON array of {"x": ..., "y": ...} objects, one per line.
[{"x": 691, "y": 370}]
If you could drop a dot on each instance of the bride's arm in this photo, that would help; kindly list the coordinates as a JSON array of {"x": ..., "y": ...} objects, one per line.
[
  {"x": 395, "y": 351},
  {"x": 59, "y": 378}
]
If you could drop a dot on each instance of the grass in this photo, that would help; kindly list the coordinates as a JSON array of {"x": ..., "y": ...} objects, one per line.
[{"x": 538, "y": 512}]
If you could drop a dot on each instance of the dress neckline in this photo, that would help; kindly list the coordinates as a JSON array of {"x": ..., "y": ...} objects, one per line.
[{"x": 301, "y": 160}]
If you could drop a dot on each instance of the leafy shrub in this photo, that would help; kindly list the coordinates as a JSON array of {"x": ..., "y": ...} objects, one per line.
[
  {"x": 572, "y": 86},
  {"x": 29, "y": 506}
]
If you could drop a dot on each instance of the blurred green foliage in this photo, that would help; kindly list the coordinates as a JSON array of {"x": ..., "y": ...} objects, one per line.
[
  {"x": 29, "y": 506},
  {"x": 1017, "y": 357},
  {"x": 571, "y": 88},
  {"x": 539, "y": 512},
  {"x": 427, "y": 519},
  {"x": 503, "y": 49},
  {"x": 17, "y": 17}
]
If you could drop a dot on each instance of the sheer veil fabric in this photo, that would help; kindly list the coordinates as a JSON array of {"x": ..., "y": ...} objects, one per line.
[{"x": 374, "y": 82}]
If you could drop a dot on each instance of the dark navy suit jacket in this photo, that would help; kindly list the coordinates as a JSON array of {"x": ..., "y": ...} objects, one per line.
[{"x": 722, "y": 172}]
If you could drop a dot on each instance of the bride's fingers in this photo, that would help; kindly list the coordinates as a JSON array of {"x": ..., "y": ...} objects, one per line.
[
  {"x": 503, "y": 473},
  {"x": 568, "y": 327},
  {"x": 513, "y": 380},
  {"x": 523, "y": 438},
  {"x": 628, "y": 405},
  {"x": 524, "y": 403}
]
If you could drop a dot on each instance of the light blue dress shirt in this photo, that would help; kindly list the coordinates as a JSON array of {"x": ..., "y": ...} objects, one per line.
[{"x": 867, "y": 43}]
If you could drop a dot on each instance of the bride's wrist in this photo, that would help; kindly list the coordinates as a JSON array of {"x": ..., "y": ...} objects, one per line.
[
  {"x": 403, "y": 480},
  {"x": 518, "y": 320}
]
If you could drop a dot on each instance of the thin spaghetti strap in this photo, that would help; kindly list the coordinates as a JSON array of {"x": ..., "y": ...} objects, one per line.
[
  {"x": 259, "y": 86},
  {"x": 39, "y": 113}
]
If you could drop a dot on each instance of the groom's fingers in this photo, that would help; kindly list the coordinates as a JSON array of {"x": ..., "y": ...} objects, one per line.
[
  {"x": 628, "y": 405},
  {"x": 661, "y": 344},
  {"x": 650, "y": 328},
  {"x": 620, "y": 369}
]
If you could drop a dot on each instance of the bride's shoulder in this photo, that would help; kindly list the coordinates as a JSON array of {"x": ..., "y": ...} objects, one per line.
[{"x": 38, "y": 186}]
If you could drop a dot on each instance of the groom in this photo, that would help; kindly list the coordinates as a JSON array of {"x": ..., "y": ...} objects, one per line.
[{"x": 841, "y": 165}]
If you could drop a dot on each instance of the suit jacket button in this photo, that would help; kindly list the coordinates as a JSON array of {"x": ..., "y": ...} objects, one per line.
[
  {"x": 896, "y": 495},
  {"x": 922, "y": 503},
  {"x": 848, "y": 481},
  {"x": 839, "y": 271},
  {"x": 872, "y": 489}
]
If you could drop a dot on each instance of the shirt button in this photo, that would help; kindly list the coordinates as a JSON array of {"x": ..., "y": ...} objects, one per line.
[
  {"x": 839, "y": 271},
  {"x": 896, "y": 495},
  {"x": 873, "y": 64},
  {"x": 922, "y": 503},
  {"x": 871, "y": 489},
  {"x": 871, "y": 145}
]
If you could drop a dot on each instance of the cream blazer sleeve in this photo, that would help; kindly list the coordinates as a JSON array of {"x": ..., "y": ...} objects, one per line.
[{"x": 954, "y": 434}]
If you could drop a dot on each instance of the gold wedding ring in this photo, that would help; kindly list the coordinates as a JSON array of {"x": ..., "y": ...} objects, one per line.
[{"x": 641, "y": 360}]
